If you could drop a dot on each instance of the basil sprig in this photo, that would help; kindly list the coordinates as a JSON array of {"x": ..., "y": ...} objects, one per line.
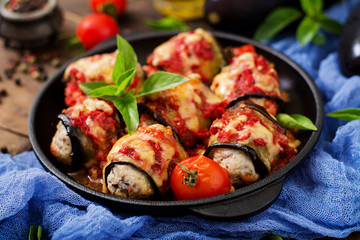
[
  {"x": 313, "y": 20},
  {"x": 35, "y": 234},
  {"x": 124, "y": 71},
  {"x": 347, "y": 114},
  {"x": 167, "y": 24},
  {"x": 295, "y": 121}
]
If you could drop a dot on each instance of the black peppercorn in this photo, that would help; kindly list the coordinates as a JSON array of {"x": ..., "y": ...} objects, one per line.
[
  {"x": 9, "y": 73},
  {"x": 3, "y": 93},
  {"x": 4, "y": 149},
  {"x": 18, "y": 82}
]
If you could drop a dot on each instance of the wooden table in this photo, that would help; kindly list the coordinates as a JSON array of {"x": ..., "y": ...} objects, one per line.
[{"x": 15, "y": 107}]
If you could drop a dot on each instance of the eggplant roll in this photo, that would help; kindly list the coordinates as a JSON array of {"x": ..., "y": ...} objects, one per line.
[
  {"x": 250, "y": 76},
  {"x": 98, "y": 67},
  {"x": 189, "y": 109},
  {"x": 249, "y": 143},
  {"x": 85, "y": 135},
  {"x": 188, "y": 52},
  {"x": 139, "y": 165}
]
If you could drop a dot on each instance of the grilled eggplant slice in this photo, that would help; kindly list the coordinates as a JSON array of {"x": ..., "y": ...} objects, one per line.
[
  {"x": 85, "y": 135},
  {"x": 248, "y": 142},
  {"x": 187, "y": 53},
  {"x": 139, "y": 165}
]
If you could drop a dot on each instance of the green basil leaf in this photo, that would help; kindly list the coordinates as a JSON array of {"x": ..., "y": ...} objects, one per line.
[
  {"x": 32, "y": 233},
  {"x": 126, "y": 59},
  {"x": 273, "y": 237},
  {"x": 127, "y": 106},
  {"x": 307, "y": 30},
  {"x": 295, "y": 121},
  {"x": 167, "y": 24},
  {"x": 312, "y": 7},
  {"x": 329, "y": 25},
  {"x": 348, "y": 114},
  {"x": 275, "y": 22},
  {"x": 160, "y": 81},
  {"x": 109, "y": 90},
  {"x": 39, "y": 232},
  {"x": 87, "y": 87},
  {"x": 125, "y": 79},
  {"x": 319, "y": 39}
]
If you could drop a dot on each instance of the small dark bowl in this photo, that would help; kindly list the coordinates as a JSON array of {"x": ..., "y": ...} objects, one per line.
[
  {"x": 304, "y": 99},
  {"x": 30, "y": 29}
]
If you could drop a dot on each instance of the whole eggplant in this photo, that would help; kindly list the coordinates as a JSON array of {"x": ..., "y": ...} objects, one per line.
[
  {"x": 349, "y": 45},
  {"x": 244, "y": 16},
  {"x": 239, "y": 16}
]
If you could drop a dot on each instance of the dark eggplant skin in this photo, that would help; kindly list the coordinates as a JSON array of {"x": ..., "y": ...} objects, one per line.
[
  {"x": 239, "y": 16},
  {"x": 258, "y": 164},
  {"x": 108, "y": 168},
  {"x": 349, "y": 45},
  {"x": 259, "y": 109},
  {"x": 78, "y": 143},
  {"x": 244, "y": 16}
]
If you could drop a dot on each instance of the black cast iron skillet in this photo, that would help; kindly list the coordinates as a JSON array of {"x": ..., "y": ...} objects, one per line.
[{"x": 304, "y": 99}]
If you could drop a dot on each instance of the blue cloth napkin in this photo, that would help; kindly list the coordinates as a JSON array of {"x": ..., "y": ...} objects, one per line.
[{"x": 320, "y": 198}]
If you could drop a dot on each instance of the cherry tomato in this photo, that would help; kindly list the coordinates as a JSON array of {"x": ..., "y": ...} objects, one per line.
[
  {"x": 114, "y": 8},
  {"x": 94, "y": 28},
  {"x": 212, "y": 179}
]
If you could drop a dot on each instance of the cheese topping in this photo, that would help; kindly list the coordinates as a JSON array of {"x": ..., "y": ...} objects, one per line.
[
  {"x": 138, "y": 149},
  {"x": 93, "y": 67}
]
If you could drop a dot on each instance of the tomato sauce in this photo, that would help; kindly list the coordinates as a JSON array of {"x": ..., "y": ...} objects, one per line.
[{"x": 102, "y": 143}]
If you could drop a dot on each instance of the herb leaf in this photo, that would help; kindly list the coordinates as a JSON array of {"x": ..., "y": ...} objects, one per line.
[
  {"x": 160, "y": 81},
  {"x": 126, "y": 59},
  {"x": 124, "y": 71},
  {"x": 33, "y": 234},
  {"x": 329, "y": 25},
  {"x": 312, "y": 7},
  {"x": 103, "y": 91},
  {"x": 127, "y": 107},
  {"x": 279, "y": 19},
  {"x": 313, "y": 21},
  {"x": 87, "y": 87},
  {"x": 39, "y": 232},
  {"x": 348, "y": 114},
  {"x": 295, "y": 121},
  {"x": 125, "y": 79},
  {"x": 319, "y": 39},
  {"x": 167, "y": 24},
  {"x": 273, "y": 237},
  {"x": 307, "y": 30}
]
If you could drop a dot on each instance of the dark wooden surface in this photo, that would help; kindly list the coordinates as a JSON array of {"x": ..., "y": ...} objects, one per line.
[{"x": 15, "y": 107}]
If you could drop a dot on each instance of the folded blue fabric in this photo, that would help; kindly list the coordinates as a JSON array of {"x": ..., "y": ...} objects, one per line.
[{"x": 320, "y": 198}]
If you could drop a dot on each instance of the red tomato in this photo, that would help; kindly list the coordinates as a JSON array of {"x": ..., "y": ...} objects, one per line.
[
  {"x": 212, "y": 179},
  {"x": 94, "y": 28},
  {"x": 114, "y": 8}
]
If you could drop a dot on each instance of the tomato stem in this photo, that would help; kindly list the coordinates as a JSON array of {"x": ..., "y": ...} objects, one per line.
[
  {"x": 192, "y": 176},
  {"x": 109, "y": 9}
]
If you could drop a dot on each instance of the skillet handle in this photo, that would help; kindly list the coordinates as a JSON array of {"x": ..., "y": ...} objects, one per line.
[{"x": 243, "y": 206}]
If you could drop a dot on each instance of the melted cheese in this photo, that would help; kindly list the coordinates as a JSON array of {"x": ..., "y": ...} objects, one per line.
[
  {"x": 138, "y": 141},
  {"x": 95, "y": 66},
  {"x": 89, "y": 105},
  {"x": 268, "y": 153},
  {"x": 223, "y": 83},
  {"x": 187, "y": 54},
  {"x": 187, "y": 96}
]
